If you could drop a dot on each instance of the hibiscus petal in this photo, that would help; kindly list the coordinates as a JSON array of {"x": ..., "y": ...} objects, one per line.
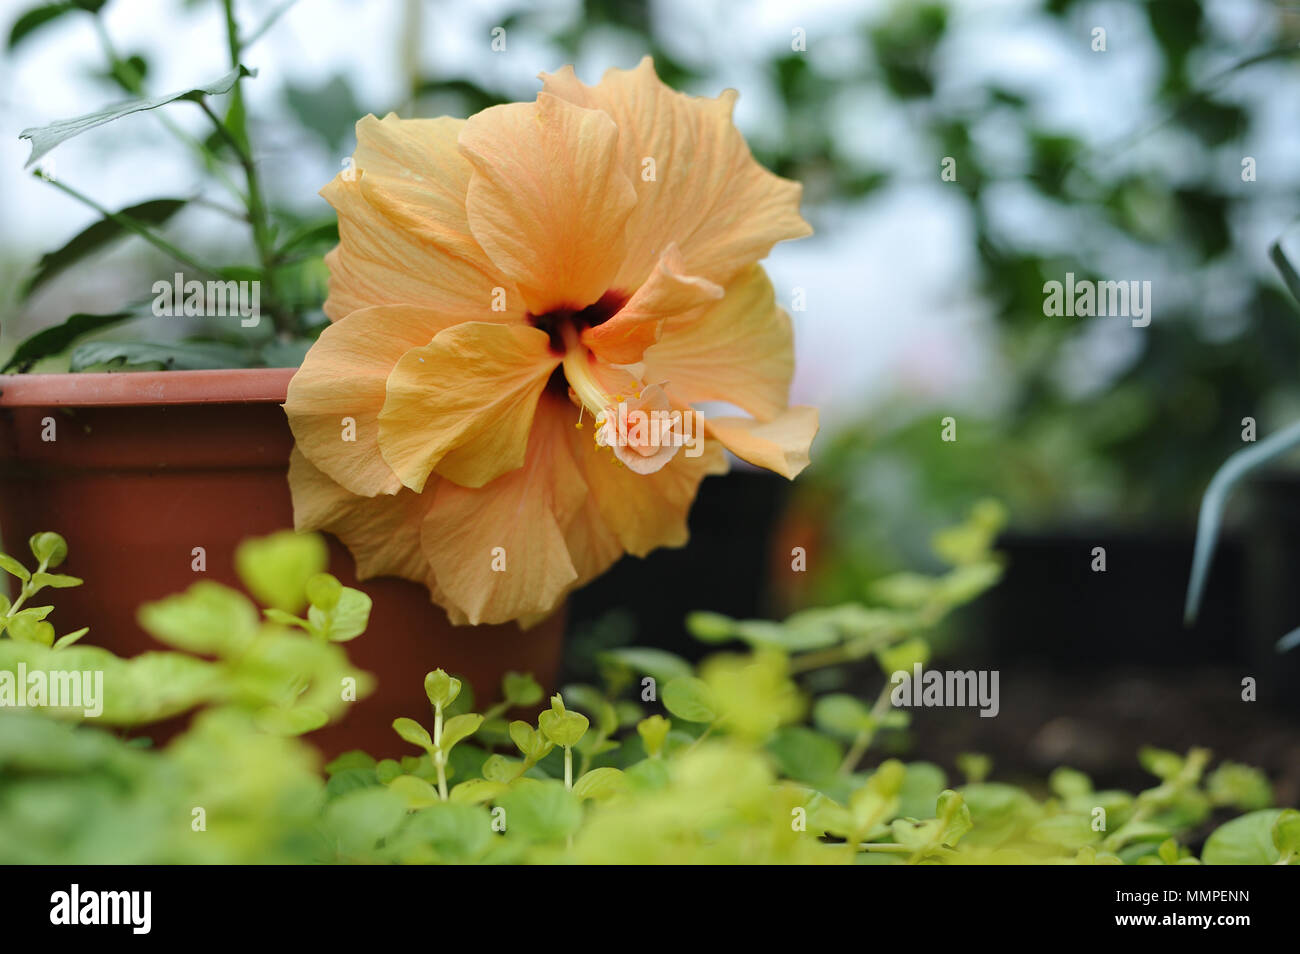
[
  {"x": 593, "y": 545},
  {"x": 646, "y": 511},
  {"x": 343, "y": 377},
  {"x": 548, "y": 200},
  {"x": 383, "y": 532},
  {"x": 471, "y": 390},
  {"x": 498, "y": 552},
  {"x": 637, "y": 325},
  {"x": 780, "y": 445},
  {"x": 739, "y": 349},
  {"x": 403, "y": 231},
  {"x": 708, "y": 194},
  {"x": 412, "y": 171}
]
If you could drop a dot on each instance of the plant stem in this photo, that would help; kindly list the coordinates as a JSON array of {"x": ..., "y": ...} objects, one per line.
[
  {"x": 131, "y": 225},
  {"x": 867, "y": 735},
  {"x": 24, "y": 591},
  {"x": 439, "y": 758},
  {"x": 267, "y": 24},
  {"x": 850, "y": 651},
  {"x": 702, "y": 736},
  {"x": 237, "y": 135},
  {"x": 497, "y": 710},
  {"x": 568, "y": 768}
]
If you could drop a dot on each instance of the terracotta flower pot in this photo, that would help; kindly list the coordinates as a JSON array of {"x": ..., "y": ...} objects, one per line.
[{"x": 144, "y": 467}]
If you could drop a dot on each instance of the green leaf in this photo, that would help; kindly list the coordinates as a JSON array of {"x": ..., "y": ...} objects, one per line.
[
  {"x": 37, "y": 17},
  {"x": 314, "y": 235},
  {"x": 498, "y": 768},
  {"x": 475, "y": 791},
  {"x": 324, "y": 590},
  {"x": 976, "y": 766},
  {"x": 971, "y": 542},
  {"x": 208, "y": 618},
  {"x": 1285, "y": 269},
  {"x": 329, "y": 110},
  {"x": 521, "y": 689},
  {"x": 690, "y": 699},
  {"x": 51, "y": 341},
  {"x": 97, "y": 235},
  {"x": 276, "y": 568},
  {"x": 358, "y": 820},
  {"x": 417, "y": 792},
  {"x": 662, "y": 666},
  {"x": 653, "y": 732},
  {"x": 59, "y": 581},
  {"x": 905, "y": 590},
  {"x": 284, "y": 354},
  {"x": 456, "y": 832},
  {"x": 411, "y": 731},
  {"x": 347, "y": 620},
  {"x": 812, "y": 629},
  {"x": 14, "y": 568},
  {"x": 1161, "y": 763},
  {"x": 842, "y": 715},
  {"x": 804, "y": 755},
  {"x": 903, "y": 657},
  {"x": 923, "y": 783},
  {"x": 711, "y": 627},
  {"x": 531, "y": 742},
  {"x": 1241, "y": 786},
  {"x": 954, "y": 813},
  {"x": 540, "y": 811},
  {"x": 459, "y": 728},
  {"x": 49, "y": 548},
  {"x": 284, "y": 619},
  {"x": 1210, "y": 518},
  {"x": 173, "y": 356},
  {"x": 298, "y": 720},
  {"x": 876, "y": 802},
  {"x": 1067, "y": 782},
  {"x": 562, "y": 726},
  {"x": 45, "y": 138},
  {"x": 71, "y": 637},
  {"x": 599, "y": 709},
  {"x": 600, "y": 783},
  {"x": 441, "y": 688},
  {"x": 35, "y": 612},
  {"x": 964, "y": 583},
  {"x": 355, "y": 759},
  {"x": 1168, "y": 851},
  {"x": 1286, "y": 835},
  {"x": 1247, "y": 840},
  {"x": 27, "y": 629}
]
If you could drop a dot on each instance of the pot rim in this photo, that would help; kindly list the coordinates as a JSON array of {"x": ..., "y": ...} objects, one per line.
[{"x": 143, "y": 388}]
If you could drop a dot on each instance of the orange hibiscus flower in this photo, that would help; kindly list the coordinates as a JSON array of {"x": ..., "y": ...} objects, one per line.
[{"x": 526, "y": 306}]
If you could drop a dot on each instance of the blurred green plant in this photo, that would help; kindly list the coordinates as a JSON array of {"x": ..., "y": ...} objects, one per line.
[
  {"x": 1066, "y": 435},
  {"x": 1141, "y": 443},
  {"x": 225, "y": 654},
  {"x": 288, "y": 252},
  {"x": 28, "y": 625},
  {"x": 736, "y": 760},
  {"x": 1234, "y": 470}
]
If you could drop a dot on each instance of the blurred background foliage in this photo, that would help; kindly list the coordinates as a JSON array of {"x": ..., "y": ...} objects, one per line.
[
  {"x": 1122, "y": 165},
  {"x": 1083, "y": 420}
]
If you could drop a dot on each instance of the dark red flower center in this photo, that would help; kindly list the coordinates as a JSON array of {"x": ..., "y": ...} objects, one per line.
[{"x": 579, "y": 319}]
